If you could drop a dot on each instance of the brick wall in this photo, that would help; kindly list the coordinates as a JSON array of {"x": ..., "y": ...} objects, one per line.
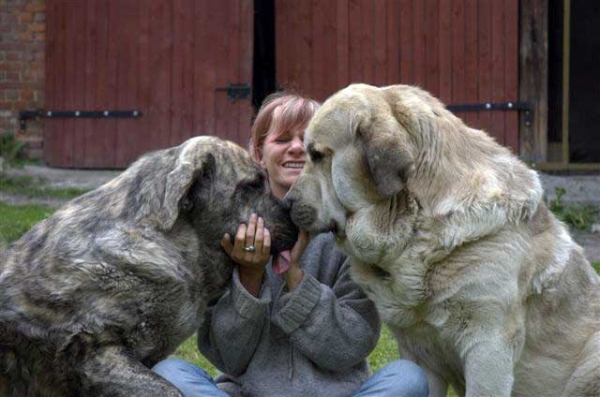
[{"x": 22, "y": 35}]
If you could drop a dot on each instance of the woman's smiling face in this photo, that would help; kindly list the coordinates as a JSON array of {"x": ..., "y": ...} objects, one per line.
[{"x": 283, "y": 157}]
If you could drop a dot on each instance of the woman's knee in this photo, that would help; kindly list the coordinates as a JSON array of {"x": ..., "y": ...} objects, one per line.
[
  {"x": 412, "y": 380},
  {"x": 175, "y": 368}
]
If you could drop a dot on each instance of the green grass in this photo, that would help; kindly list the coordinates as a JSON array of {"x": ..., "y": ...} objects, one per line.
[
  {"x": 15, "y": 220},
  {"x": 33, "y": 187}
]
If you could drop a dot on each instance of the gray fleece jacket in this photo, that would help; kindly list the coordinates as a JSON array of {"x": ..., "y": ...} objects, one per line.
[{"x": 309, "y": 342}]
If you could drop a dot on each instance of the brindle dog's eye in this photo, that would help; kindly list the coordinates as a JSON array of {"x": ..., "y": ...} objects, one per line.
[{"x": 257, "y": 183}]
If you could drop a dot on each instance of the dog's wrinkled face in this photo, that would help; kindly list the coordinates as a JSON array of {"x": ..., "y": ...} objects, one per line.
[
  {"x": 226, "y": 190},
  {"x": 358, "y": 156}
]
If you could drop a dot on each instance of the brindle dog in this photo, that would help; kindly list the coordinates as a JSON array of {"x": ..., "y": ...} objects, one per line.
[{"x": 113, "y": 282}]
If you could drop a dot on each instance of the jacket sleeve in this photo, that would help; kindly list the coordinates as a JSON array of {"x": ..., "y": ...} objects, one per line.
[
  {"x": 233, "y": 326},
  {"x": 335, "y": 326}
]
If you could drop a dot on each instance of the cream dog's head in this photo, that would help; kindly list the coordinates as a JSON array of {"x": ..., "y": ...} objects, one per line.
[{"x": 369, "y": 148}]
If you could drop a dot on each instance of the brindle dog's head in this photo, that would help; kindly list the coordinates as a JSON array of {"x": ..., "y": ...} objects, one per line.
[{"x": 215, "y": 185}]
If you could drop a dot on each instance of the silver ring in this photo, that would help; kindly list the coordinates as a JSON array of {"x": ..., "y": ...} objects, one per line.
[{"x": 250, "y": 248}]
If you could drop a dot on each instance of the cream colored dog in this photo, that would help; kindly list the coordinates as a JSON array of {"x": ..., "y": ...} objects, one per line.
[{"x": 482, "y": 286}]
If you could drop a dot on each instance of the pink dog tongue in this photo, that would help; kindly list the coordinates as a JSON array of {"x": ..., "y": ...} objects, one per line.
[{"x": 281, "y": 262}]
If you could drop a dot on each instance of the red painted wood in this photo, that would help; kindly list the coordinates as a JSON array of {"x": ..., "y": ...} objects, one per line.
[
  {"x": 458, "y": 54},
  {"x": 127, "y": 133},
  {"x": 355, "y": 43},
  {"x": 162, "y": 57},
  {"x": 484, "y": 59},
  {"x": 50, "y": 86},
  {"x": 419, "y": 49},
  {"x": 380, "y": 61},
  {"x": 471, "y": 60},
  {"x": 342, "y": 45},
  {"x": 497, "y": 125},
  {"x": 431, "y": 46},
  {"x": 75, "y": 89},
  {"x": 317, "y": 66},
  {"x": 445, "y": 34},
  {"x": 245, "y": 68},
  {"x": 392, "y": 41},
  {"x": 368, "y": 45},
  {"x": 511, "y": 65},
  {"x": 407, "y": 42}
]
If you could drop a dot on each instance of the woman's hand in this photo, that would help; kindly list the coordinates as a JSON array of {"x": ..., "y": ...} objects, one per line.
[
  {"x": 252, "y": 263},
  {"x": 294, "y": 275}
]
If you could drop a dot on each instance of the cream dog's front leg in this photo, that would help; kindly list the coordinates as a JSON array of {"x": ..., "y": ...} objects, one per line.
[{"x": 489, "y": 368}]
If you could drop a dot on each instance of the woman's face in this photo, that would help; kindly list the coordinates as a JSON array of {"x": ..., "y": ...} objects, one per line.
[{"x": 283, "y": 158}]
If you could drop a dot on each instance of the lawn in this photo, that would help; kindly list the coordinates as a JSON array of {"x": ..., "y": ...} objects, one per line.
[{"x": 16, "y": 220}]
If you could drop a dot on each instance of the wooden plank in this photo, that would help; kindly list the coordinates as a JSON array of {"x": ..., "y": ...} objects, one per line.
[
  {"x": 458, "y": 54},
  {"x": 419, "y": 60},
  {"x": 145, "y": 80},
  {"x": 246, "y": 39},
  {"x": 283, "y": 38},
  {"x": 497, "y": 127},
  {"x": 76, "y": 86},
  {"x": 231, "y": 110},
  {"x": 379, "y": 43},
  {"x": 95, "y": 139},
  {"x": 109, "y": 126},
  {"x": 368, "y": 41},
  {"x": 445, "y": 33},
  {"x": 485, "y": 61},
  {"x": 328, "y": 44},
  {"x": 533, "y": 85},
  {"x": 301, "y": 68},
  {"x": 61, "y": 151},
  {"x": 184, "y": 128},
  {"x": 342, "y": 45},
  {"x": 355, "y": 43},
  {"x": 50, "y": 83},
  {"x": 393, "y": 41},
  {"x": 128, "y": 132},
  {"x": 511, "y": 69},
  {"x": 432, "y": 45},
  {"x": 91, "y": 39},
  {"x": 219, "y": 14},
  {"x": 407, "y": 35},
  {"x": 177, "y": 74},
  {"x": 317, "y": 61},
  {"x": 160, "y": 63},
  {"x": 471, "y": 60}
]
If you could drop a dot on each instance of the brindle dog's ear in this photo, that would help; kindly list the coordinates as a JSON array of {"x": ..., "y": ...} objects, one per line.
[
  {"x": 388, "y": 161},
  {"x": 179, "y": 182}
]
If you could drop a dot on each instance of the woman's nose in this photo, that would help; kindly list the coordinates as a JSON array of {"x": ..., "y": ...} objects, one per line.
[{"x": 297, "y": 145}]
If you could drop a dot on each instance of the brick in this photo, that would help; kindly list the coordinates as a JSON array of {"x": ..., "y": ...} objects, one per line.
[
  {"x": 37, "y": 27},
  {"x": 25, "y": 17},
  {"x": 36, "y": 7}
]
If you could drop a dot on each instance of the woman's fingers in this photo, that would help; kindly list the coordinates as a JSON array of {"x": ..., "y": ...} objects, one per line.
[
  {"x": 226, "y": 243},
  {"x": 266, "y": 246},
  {"x": 251, "y": 230}
]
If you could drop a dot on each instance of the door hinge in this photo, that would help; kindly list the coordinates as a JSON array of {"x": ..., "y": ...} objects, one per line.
[{"x": 236, "y": 91}]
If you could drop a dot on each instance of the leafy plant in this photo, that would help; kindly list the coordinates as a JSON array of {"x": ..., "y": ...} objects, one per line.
[
  {"x": 578, "y": 216},
  {"x": 34, "y": 187},
  {"x": 11, "y": 149}
]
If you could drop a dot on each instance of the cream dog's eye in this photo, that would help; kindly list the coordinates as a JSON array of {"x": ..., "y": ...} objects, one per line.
[{"x": 315, "y": 156}]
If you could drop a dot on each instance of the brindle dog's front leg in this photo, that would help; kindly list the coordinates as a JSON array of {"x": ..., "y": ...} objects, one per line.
[{"x": 109, "y": 371}]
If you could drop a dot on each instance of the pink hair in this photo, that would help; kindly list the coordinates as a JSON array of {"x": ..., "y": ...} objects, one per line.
[{"x": 279, "y": 112}]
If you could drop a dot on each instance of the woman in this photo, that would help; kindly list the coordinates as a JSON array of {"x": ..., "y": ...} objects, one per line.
[{"x": 300, "y": 327}]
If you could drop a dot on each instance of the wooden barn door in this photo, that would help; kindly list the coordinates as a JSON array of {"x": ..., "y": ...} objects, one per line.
[
  {"x": 463, "y": 51},
  {"x": 170, "y": 59}
]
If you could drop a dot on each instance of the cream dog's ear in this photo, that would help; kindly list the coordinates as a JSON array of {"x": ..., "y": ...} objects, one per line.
[
  {"x": 389, "y": 162},
  {"x": 179, "y": 182}
]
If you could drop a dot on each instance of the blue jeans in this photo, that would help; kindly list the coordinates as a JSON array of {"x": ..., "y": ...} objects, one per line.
[{"x": 399, "y": 378}]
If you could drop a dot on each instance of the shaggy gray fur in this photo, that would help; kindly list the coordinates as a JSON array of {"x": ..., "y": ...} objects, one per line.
[{"x": 114, "y": 281}]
